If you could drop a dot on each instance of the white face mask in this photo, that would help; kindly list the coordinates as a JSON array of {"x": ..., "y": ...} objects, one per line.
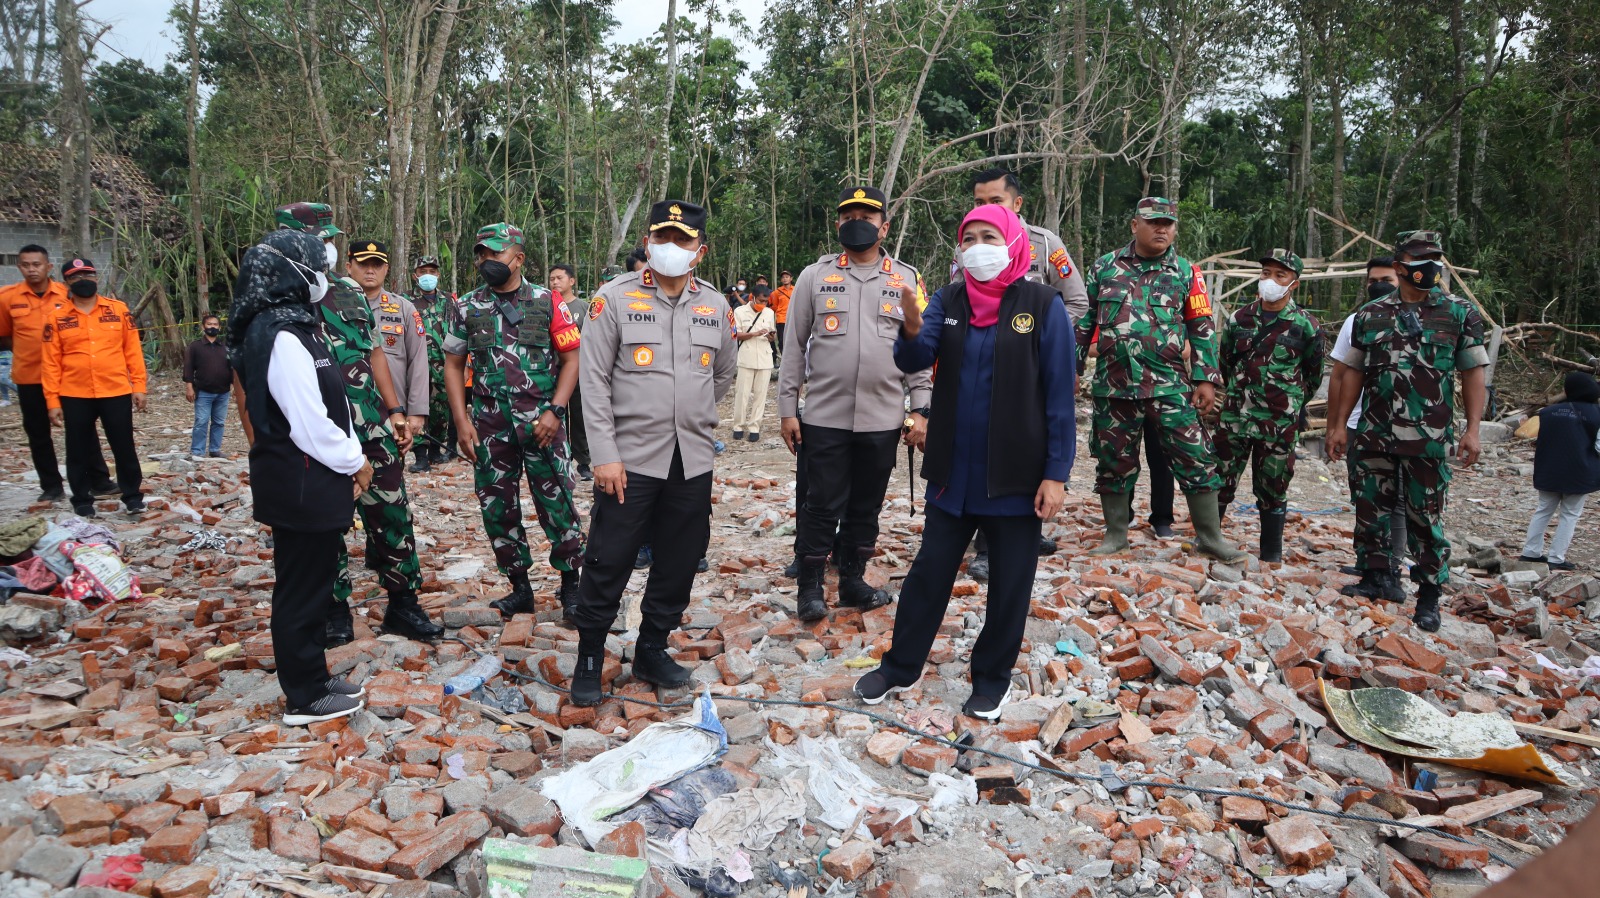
[
  {"x": 985, "y": 261},
  {"x": 671, "y": 260},
  {"x": 1272, "y": 291},
  {"x": 333, "y": 255}
]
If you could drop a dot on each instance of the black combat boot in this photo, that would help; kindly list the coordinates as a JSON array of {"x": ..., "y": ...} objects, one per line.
[
  {"x": 569, "y": 596},
  {"x": 423, "y": 464},
  {"x": 792, "y": 571},
  {"x": 1376, "y": 584},
  {"x": 519, "y": 600},
  {"x": 854, "y": 590},
  {"x": 652, "y": 664},
  {"x": 340, "y": 628},
  {"x": 1427, "y": 614},
  {"x": 810, "y": 604},
  {"x": 586, "y": 687},
  {"x": 405, "y": 617},
  {"x": 1272, "y": 536}
]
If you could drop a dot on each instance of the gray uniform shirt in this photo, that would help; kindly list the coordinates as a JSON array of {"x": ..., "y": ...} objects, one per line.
[
  {"x": 850, "y": 317},
  {"x": 1051, "y": 265},
  {"x": 397, "y": 326},
  {"x": 652, "y": 369}
]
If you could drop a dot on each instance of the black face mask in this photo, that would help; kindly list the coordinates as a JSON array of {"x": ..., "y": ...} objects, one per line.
[
  {"x": 858, "y": 235},
  {"x": 85, "y": 288},
  {"x": 213, "y": 331},
  {"x": 1423, "y": 275},
  {"x": 1378, "y": 290},
  {"x": 494, "y": 273}
]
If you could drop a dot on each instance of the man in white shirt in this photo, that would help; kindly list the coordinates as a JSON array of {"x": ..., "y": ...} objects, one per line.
[{"x": 754, "y": 325}]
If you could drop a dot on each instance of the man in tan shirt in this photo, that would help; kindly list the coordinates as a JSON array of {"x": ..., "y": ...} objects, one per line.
[{"x": 754, "y": 326}]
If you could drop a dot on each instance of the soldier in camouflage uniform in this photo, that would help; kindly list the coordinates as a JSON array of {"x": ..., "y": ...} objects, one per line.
[
  {"x": 523, "y": 348},
  {"x": 1271, "y": 354},
  {"x": 380, "y": 423},
  {"x": 1409, "y": 347},
  {"x": 438, "y": 444},
  {"x": 1147, "y": 301}
]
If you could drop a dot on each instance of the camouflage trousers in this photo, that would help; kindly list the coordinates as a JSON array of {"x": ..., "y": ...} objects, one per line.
[
  {"x": 1271, "y": 468},
  {"x": 1377, "y": 481},
  {"x": 506, "y": 451},
  {"x": 437, "y": 434},
  {"x": 1119, "y": 427},
  {"x": 386, "y": 518}
]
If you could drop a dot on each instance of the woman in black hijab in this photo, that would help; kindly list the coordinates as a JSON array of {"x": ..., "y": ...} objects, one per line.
[{"x": 306, "y": 466}]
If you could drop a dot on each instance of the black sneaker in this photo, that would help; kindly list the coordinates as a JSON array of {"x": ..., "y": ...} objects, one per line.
[
  {"x": 873, "y": 687},
  {"x": 1163, "y": 531},
  {"x": 1561, "y": 566},
  {"x": 738, "y": 434},
  {"x": 329, "y": 707},
  {"x": 1542, "y": 559},
  {"x": 83, "y": 511},
  {"x": 134, "y": 505},
  {"x": 52, "y": 495},
  {"x": 341, "y": 686},
  {"x": 702, "y": 565},
  {"x": 644, "y": 559},
  {"x": 1047, "y": 546},
  {"x": 585, "y": 473},
  {"x": 754, "y": 437},
  {"x": 214, "y": 455},
  {"x": 109, "y": 488},
  {"x": 986, "y": 706},
  {"x": 652, "y": 664}
]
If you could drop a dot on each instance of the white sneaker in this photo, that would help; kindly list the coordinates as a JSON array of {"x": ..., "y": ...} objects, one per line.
[{"x": 197, "y": 458}]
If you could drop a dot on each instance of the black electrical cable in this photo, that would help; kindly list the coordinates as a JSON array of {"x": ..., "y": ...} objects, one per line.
[{"x": 1062, "y": 774}]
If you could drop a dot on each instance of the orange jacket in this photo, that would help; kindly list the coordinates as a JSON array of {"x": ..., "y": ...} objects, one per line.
[
  {"x": 22, "y": 317},
  {"x": 779, "y": 300},
  {"x": 92, "y": 356}
]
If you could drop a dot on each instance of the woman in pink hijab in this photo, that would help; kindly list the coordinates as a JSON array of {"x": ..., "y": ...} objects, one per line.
[{"x": 999, "y": 449}]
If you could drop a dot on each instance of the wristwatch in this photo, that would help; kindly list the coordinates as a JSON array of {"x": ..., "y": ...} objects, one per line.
[
  {"x": 559, "y": 410},
  {"x": 398, "y": 410}
]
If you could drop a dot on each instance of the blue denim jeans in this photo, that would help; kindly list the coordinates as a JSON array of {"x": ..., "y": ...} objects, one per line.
[{"x": 210, "y": 411}]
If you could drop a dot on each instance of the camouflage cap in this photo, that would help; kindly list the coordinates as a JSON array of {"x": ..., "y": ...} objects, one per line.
[
  {"x": 313, "y": 218},
  {"x": 427, "y": 262},
  {"x": 1419, "y": 242},
  {"x": 1154, "y": 208},
  {"x": 1283, "y": 257},
  {"x": 498, "y": 236},
  {"x": 610, "y": 272}
]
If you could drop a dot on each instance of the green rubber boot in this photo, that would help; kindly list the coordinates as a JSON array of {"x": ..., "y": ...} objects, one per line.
[
  {"x": 1207, "y": 520},
  {"x": 1118, "y": 511}
]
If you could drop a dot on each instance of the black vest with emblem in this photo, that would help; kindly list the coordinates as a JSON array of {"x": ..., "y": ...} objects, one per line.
[
  {"x": 1564, "y": 460},
  {"x": 1017, "y": 434},
  {"x": 289, "y": 488}
]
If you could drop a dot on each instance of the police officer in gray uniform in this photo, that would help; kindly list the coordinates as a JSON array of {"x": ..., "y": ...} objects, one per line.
[
  {"x": 397, "y": 328},
  {"x": 839, "y": 345},
  {"x": 658, "y": 354}
]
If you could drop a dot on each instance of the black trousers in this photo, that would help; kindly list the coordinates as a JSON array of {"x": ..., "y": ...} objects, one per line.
[
  {"x": 305, "y": 565},
  {"x": 673, "y": 515},
  {"x": 1162, "y": 486},
  {"x": 115, "y": 415},
  {"x": 847, "y": 475},
  {"x": 36, "y": 424},
  {"x": 1013, "y": 559}
]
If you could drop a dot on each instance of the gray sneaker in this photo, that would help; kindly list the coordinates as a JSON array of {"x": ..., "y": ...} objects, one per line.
[
  {"x": 341, "y": 686},
  {"x": 329, "y": 707}
]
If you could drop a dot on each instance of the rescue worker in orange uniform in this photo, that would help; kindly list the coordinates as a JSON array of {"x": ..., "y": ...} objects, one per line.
[{"x": 93, "y": 368}]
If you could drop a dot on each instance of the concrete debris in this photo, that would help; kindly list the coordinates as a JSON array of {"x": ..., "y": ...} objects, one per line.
[{"x": 154, "y": 728}]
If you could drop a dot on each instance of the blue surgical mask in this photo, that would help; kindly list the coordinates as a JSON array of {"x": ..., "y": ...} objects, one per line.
[{"x": 427, "y": 283}]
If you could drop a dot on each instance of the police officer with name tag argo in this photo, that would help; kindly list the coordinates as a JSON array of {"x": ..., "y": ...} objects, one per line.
[
  {"x": 839, "y": 345},
  {"x": 658, "y": 354}
]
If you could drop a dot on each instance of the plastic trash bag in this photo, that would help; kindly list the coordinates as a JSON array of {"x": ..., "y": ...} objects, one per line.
[
  {"x": 837, "y": 784},
  {"x": 611, "y": 782}
]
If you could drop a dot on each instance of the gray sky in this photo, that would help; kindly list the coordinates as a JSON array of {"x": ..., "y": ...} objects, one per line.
[{"x": 139, "y": 28}]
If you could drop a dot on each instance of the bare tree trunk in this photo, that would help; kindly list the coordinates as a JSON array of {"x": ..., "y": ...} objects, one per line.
[
  {"x": 909, "y": 119},
  {"x": 672, "y": 89},
  {"x": 202, "y": 269},
  {"x": 1453, "y": 171},
  {"x": 77, "y": 156}
]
